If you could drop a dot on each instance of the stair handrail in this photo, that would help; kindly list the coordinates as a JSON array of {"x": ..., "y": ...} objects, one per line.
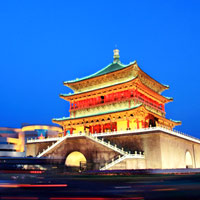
[
  {"x": 58, "y": 142},
  {"x": 113, "y": 162},
  {"x": 107, "y": 145},
  {"x": 120, "y": 158}
]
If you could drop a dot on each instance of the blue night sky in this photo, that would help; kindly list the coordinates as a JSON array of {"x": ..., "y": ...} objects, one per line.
[{"x": 43, "y": 43}]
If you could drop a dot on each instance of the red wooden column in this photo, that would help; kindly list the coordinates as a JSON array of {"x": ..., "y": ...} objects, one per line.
[
  {"x": 143, "y": 124},
  {"x": 101, "y": 128},
  {"x": 137, "y": 121},
  {"x": 65, "y": 131},
  {"x": 115, "y": 126},
  {"x": 112, "y": 97},
  {"x": 104, "y": 128},
  {"x": 163, "y": 107},
  {"x": 92, "y": 129},
  {"x": 127, "y": 123},
  {"x": 83, "y": 103},
  {"x": 78, "y": 104}
]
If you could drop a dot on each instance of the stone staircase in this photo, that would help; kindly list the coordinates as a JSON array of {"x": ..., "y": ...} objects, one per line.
[
  {"x": 123, "y": 154},
  {"x": 120, "y": 159},
  {"x": 108, "y": 144},
  {"x": 59, "y": 140},
  {"x": 49, "y": 148},
  {"x": 95, "y": 139}
]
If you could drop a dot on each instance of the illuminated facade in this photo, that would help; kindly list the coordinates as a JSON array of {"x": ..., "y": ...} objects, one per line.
[
  {"x": 11, "y": 142},
  {"x": 118, "y": 97},
  {"x": 117, "y": 121},
  {"x": 41, "y": 131}
]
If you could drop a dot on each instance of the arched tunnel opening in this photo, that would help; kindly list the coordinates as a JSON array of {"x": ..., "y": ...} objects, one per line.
[{"x": 76, "y": 160}]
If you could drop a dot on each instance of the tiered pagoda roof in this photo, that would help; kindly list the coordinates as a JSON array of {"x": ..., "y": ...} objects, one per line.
[
  {"x": 113, "y": 78},
  {"x": 117, "y": 67},
  {"x": 112, "y": 67},
  {"x": 70, "y": 96},
  {"x": 139, "y": 107}
]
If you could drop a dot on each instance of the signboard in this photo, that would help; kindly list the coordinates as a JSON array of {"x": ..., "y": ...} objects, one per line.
[{"x": 41, "y": 133}]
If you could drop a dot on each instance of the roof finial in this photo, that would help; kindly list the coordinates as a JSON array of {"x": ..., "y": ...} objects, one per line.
[{"x": 116, "y": 56}]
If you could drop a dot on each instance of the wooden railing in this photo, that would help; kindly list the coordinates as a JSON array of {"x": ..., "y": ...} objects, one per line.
[{"x": 136, "y": 99}]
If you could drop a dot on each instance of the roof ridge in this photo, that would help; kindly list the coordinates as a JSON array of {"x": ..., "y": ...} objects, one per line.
[
  {"x": 69, "y": 94},
  {"x": 90, "y": 75},
  {"x": 97, "y": 73},
  {"x": 65, "y": 118}
]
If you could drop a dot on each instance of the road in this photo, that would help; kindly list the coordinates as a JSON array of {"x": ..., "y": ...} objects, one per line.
[{"x": 57, "y": 187}]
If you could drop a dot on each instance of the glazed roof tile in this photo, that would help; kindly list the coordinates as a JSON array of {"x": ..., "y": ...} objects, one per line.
[
  {"x": 115, "y": 66},
  {"x": 176, "y": 121},
  {"x": 71, "y": 94},
  {"x": 102, "y": 113},
  {"x": 170, "y": 98}
]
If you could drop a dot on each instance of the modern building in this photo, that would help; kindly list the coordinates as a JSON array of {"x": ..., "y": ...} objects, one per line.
[
  {"x": 41, "y": 131},
  {"x": 11, "y": 142}
]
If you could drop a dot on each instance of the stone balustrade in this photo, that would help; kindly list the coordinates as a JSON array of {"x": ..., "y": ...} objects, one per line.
[{"x": 121, "y": 132}]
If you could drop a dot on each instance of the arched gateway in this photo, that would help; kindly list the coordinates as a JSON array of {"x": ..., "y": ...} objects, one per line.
[
  {"x": 74, "y": 159},
  {"x": 188, "y": 160}
]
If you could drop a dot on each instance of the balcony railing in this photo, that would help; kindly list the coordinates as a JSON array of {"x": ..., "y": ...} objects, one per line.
[
  {"x": 53, "y": 139},
  {"x": 122, "y": 132},
  {"x": 136, "y": 99}
]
